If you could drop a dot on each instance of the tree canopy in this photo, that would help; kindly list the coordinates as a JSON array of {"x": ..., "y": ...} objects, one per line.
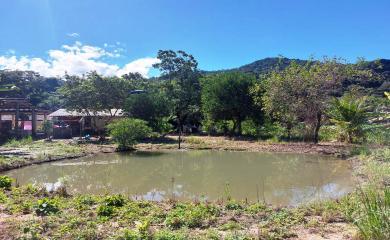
[{"x": 227, "y": 97}]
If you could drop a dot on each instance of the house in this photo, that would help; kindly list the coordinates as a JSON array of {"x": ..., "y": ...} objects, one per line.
[
  {"x": 20, "y": 118},
  {"x": 67, "y": 123}
]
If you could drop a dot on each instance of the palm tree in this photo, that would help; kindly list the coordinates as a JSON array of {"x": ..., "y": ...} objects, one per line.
[{"x": 349, "y": 114}]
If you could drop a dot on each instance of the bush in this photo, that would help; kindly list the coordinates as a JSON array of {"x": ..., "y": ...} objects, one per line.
[
  {"x": 47, "y": 127},
  {"x": 5, "y": 182},
  {"x": 126, "y": 132},
  {"x": 46, "y": 207},
  {"x": 105, "y": 211},
  {"x": 115, "y": 200}
]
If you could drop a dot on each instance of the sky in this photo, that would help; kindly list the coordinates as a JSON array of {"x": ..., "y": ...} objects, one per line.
[{"x": 119, "y": 36}]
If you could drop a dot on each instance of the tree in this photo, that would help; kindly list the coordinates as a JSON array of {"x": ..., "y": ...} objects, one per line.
[
  {"x": 127, "y": 132},
  {"x": 30, "y": 85},
  {"x": 181, "y": 75},
  {"x": 301, "y": 93},
  {"x": 349, "y": 114},
  {"x": 152, "y": 107},
  {"x": 227, "y": 97},
  {"x": 94, "y": 93}
]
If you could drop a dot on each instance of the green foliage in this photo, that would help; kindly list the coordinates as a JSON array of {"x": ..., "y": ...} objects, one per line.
[
  {"x": 130, "y": 235},
  {"x": 151, "y": 107},
  {"x": 127, "y": 132},
  {"x": 231, "y": 225},
  {"x": 190, "y": 215},
  {"x": 3, "y": 197},
  {"x": 233, "y": 205},
  {"x": 47, "y": 127},
  {"x": 301, "y": 92},
  {"x": 349, "y": 114},
  {"x": 93, "y": 93},
  {"x": 180, "y": 77},
  {"x": 374, "y": 219},
  {"x": 105, "y": 211},
  {"x": 46, "y": 206},
  {"x": 5, "y": 182},
  {"x": 227, "y": 97},
  {"x": 114, "y": 200},
  {"x": 169, "y": 235},
  {"x": 30, "y": 85},
  {"x": 24, "y": 142},
  {"x": 255, "y": 208},
  {"x": 377, "y": 134}
]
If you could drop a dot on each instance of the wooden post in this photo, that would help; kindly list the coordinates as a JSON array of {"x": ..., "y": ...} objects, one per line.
[
  {"x": 33, "y": 123},
  {"x": 16, "y": 127}
]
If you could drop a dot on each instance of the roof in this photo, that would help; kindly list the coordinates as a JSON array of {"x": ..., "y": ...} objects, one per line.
[{"x": 62, "y": 112}]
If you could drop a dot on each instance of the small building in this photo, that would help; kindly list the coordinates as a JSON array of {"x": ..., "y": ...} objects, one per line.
[
  {"x": 20, "y": 118},
  {"x": 67, "y": 123}
]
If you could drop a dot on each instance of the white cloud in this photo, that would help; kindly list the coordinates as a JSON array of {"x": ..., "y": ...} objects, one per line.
[
  {"x": 77, "y": 59},
  {"x": 74, "y": 35}
]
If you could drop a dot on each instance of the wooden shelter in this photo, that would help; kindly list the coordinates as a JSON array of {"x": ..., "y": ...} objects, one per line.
[
  {"x": 67, "y": 123},
  {"x": 19, "y": 117}
]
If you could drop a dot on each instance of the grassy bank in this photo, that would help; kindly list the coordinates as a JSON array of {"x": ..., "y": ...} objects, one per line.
[
  {"x": 25, "y": 152},
  {"x": 32, "y": 213}
]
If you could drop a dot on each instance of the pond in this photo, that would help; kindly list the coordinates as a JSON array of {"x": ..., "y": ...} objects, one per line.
[{"x": 276, "y": 178}]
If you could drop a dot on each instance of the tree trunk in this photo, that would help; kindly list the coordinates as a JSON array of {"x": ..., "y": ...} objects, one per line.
[
  {"x": 239, "y": 127},
  {"x": 179, "y": 125},
  {"x": 317, "y": 127}
]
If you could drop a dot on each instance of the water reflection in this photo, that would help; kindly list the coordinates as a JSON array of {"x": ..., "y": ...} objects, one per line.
[{"x": 277, "y": 178}]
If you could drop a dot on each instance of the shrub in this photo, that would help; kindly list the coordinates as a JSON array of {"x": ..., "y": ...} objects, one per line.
[
  {"x": 47, "y": 127},
  {"x": 126, "y": 132},
  {"x": 46, "y": 207},
  {"x": 114, "y": 200},
  {"x": 105, "y": 211},
  {"x": 349, "y": 114},
  {"x": 233, "y": 205},
  {"x": 5, "y": 182}
]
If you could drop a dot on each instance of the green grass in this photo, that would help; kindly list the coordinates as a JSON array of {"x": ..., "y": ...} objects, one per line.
[
  {"x": 36, "y": 151},
  {"x": 373, "y": 219}
]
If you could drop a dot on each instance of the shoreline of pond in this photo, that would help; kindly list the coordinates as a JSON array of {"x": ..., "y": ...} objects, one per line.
[{"x": 38, "y": 152}]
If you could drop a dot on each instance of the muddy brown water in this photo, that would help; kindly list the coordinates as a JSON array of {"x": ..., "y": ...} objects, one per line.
[{"x": 276, "y": 178}]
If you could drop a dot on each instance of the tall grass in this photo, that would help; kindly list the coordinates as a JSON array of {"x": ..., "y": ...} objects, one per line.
[
  {"x": 19, "y": 143},
  {"x": 373, "y": 220}
]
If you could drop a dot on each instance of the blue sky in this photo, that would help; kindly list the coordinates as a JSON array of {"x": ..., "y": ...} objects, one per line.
[{"x": 220, "y": 34}]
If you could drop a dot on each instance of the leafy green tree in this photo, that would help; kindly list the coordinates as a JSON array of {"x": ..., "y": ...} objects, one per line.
[
  {"x": 349, "y": 114},
  {"x": 127, "y": 131},
  {"x": 227, "y": 97},
  {"x": 30, "y": 85},
  {"x": 301, "y": 93},
  {"x": 179, "y": 71},
  {"x": 152, "y": 107},
  {"x": 94, "y": 93}
]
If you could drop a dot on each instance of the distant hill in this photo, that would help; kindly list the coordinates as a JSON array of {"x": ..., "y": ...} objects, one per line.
[{"x": 267, "y": 65}]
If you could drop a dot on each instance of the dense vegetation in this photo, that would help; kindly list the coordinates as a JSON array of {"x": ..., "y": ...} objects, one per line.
[
  {"x": 280, "y": 99},
  {"x": 275, "y": 97}
]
